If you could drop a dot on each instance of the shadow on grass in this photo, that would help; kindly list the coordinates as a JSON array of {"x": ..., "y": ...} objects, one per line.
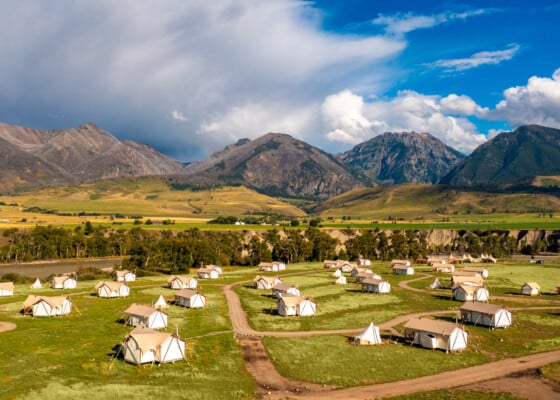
[{"x": 270, "y": 311}]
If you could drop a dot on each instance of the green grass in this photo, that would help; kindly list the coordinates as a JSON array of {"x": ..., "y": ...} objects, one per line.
[
  {"x": 331, "y": 359},
  {"x": 69, "y": 357}
]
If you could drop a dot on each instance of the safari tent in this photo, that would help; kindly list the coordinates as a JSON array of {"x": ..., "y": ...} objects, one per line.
[
  {"x": 144, "y": 345},
  {"x": 208, "y": 273},
  {"x": 466, "y": 292},
  {"x": 190, "y": 298},
  {"x": 376, "y": 286},
  {"x": 435, "y": 334},
  {"x": 6, "y": 289},
  {"x": 266, "y": 282},
  {"x": 491, "y": 315},
  {"x": 36, "y": 285},
  {"x": 150, "y": 317},
  {"x": 530, "y": 289},
  {"x": 282, "y": 289},
  {"x": 360, "y": 270},
  {"x": 47, "y": 306},
  {"x": 124, "y": 275},
  {"x": 470, "y": 279},
  {"x": 402, "y": 269},
  {"x": 364, "y": 262},
  {"x": 182, "y": 282},
  {"x": 295, "y": 306},
  {"x": 406, "y": 263},
  {"x": 443, "y": 268},
  {"x": 112, "y": 289},
  {"x": 64, "y": 282},
  {"x": 273, "y": 266},
  {"x": 369, "y": 336}
]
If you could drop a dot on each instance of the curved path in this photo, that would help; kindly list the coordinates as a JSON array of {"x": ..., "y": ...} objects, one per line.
[
  {"x": 275, "y": 386},
  {"x": 7, "y": 326}
]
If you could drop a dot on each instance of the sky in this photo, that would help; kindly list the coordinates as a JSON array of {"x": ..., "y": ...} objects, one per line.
[{"x": 189, "y": 77}]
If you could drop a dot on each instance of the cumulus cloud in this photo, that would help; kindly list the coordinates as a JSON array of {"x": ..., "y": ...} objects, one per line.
[
  {"x": 461, "y": 105},
  {"x": 234, "y": 68},
  {"x": 537, "y": 102},
  {"x": 403, "y": 23},
  {"x": 177, "y": 115},
  {"x": 351, "y": 120},
  {"x": 477, "y": 59}
]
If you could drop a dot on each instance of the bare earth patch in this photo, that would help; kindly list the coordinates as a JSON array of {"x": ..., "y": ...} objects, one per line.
[
  {"x": 527, "y": 385},
  {"x": 7, "y": 326}
]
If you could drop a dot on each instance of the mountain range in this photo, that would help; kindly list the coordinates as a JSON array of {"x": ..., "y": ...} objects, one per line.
[{"x": 277, "y": 164}]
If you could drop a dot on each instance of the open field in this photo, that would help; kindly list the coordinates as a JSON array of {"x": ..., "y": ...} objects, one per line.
[
  {"x": 72, "y": 355},
  {"x": 390, "y": 207}
]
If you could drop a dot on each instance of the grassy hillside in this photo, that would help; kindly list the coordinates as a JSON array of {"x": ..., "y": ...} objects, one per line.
[
  {"x": 149, "y": 197},
  {"x": 427, "y": 202}
]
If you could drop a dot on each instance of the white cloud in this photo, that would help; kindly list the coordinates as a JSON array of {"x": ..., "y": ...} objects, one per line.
[
  {"x": 477, "y": 59},
  {"x": 177, "y": 115},
  {"x": 538, "y": 102},
  {"x": 351, "y": 120},
  {"x": 240, "y": 68},
  {"x": 461, "y": 105},
  {"x": 399, "y": 24}
]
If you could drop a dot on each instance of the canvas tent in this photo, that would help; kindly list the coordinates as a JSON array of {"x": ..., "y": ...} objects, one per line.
[
  {"x": 337, "y": 273},
  {"x": 112, "y": 289},
  {"x": 491, "y": 315},
  {"x": 369, "y": 336},
  {"x": 530, "y": 289},
  {"x": 47, "y": 306},
  {"x": 436, "y": 284},
  {"x": 6, "y": 288},
  {"x": 160, "y": 302},
  {"x": 435, "y": 334},
  {"x": 190, "y": 298},
  {"x": 470, "y": 293},
  {"x": 144, "y": 345},
  {"x": 376, "y": 286},
  {"x": 266, "y": 282},
  {"x": 402, "y": 269},
  {"x": 208, "y": 273},
  {"x": 182, "y": 282},
  {"x": 282, "y": 289},
  {"x": 124, "y": 275},
  {"x": 36, "y": 285},
  {"x": 406, "y": 263},
  {"x": 150, "y": 317},
  {"x": 483, "y": 272},
  {"x": 470, "y": 279},
  {"x": 295, "y": 306},
  {"x": 341, "y": 280},
  {"x": 64, "y": 282}
]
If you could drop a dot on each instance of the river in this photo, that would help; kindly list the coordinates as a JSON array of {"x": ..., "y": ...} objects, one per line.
[{"x": 42, "y": 270}]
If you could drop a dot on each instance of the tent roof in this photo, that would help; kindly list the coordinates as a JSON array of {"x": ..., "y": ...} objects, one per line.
[
  {"x": 431, "y": 325},
  {"x": 370, "y": 334},
  {"x": 7, "y": 285},
  {"x": 182, "y": 278},
  {"x": 482, "y": 308},
  {"x": 111, "y": 285},
  {"x": 186, "y": 293},
  {"x": 53, "y": 301},
  {"x": 533, "y": 285},
  {"x": 141, "y": 310},
  {"x": 147, "y": 338},
  {"x": 160, "y": 302}
]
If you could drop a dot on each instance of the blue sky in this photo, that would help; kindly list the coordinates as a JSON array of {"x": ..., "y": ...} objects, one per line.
[{"x": 190, "y": 77}]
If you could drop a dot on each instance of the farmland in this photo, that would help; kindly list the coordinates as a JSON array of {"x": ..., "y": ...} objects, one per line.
[{"x": 76, "y": 354}]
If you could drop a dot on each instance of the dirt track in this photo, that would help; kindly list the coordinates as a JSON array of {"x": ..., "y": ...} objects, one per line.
[
  {"x": 7, "y": 326},
  {"x": 275, "y": 387}
]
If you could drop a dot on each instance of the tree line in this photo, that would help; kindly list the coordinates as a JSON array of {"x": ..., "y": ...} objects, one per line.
[{"x": 178, "y": 251}]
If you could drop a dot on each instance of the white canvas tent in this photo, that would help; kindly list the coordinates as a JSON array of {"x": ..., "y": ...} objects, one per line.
[
  {"x": 530, "y": 289},
  {"x": 296, "y": 306},
  {"x": 160, "y": 302},
  {"x": 341, "y": 280},
  {"x": 266, "y": 282},
  {"x": 112, "y": 289},
  {"x": 190, "y": 298},
  {"x": 436, "y": 284},
  {"x": 376, "y": 286},
  {"x": 6, "y": 288},
  {"x": 369, "y": 336},
  {"x": 471, "y": 293},
  {"x": 144, "y": 345},
  {"x": 436, "y": 334},
  {"x": 182, "y": 282},
  {"x": 337, "y": 273},
  {"x": 36, "y": 285},
  {"x": 491, "y": 315},
  {"x": 150, "y": 317},
  {"x": 124, "y": 275},
  {"x": 282, "y": 289},
  {"x": 64, "y": 282},
  {"x": 47, "y": 306}
]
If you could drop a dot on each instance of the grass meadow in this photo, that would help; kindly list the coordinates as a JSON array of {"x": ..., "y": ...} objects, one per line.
[{"x": 73, "y": 356}]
